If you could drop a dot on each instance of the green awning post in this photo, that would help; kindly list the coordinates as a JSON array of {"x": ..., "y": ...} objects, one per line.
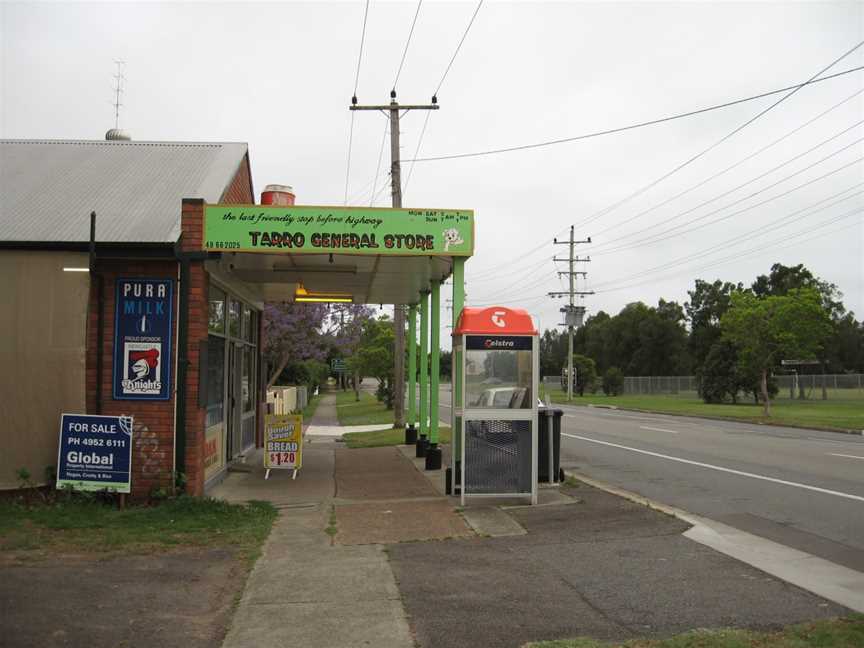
[
  {"x": 456, "y": 371},
  {"x": 412, "y": 366},
  {"x": 424, "y": 365},
  {"x": 435, "y": 365}
]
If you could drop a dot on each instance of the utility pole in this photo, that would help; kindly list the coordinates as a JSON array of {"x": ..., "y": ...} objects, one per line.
[
  {"x": 573, "y": 314},
  {"x": 392, "y": 109}
]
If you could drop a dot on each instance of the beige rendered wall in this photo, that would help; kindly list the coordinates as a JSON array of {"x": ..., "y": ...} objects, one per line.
[{"x": 43, "y": 324}]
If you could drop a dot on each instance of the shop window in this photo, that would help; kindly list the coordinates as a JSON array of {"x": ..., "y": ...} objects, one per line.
[
  {"x": 234, "y": 318},
  {"x": 215, "y": 380},
  {"x": 254, "y": 337},
  {"x": 216, "y": 317},
  {"x": 247, "y": 323},
  {"x": 247, "y": 385}
]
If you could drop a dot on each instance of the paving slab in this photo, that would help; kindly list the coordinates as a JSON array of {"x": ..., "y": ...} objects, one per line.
[
  {"x": 390, "y": 521},
  {"x": 339, "y": 430},
  {"x": 377, "y": 473},
  {"x": 314, "y": 481},
  {"x": 492, "y": 522},
  {"x": 604, "y": 567}
]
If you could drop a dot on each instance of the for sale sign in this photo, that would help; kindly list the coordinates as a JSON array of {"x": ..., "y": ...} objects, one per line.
[
  {"x": 142, "y": 339},
  {"x": 283, "y": 441},
  {"x": 95, "y": 453}
]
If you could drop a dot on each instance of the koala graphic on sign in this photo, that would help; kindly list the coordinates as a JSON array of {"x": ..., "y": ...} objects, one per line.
[{"x": 451, "y": 237}]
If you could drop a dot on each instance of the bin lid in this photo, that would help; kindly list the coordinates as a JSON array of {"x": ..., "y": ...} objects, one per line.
[{"x": 495, "y": 320}]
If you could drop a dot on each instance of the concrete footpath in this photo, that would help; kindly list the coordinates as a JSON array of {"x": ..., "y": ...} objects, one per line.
[
  {"x": 304, "y": 590},
  {"x": 367, "y": 551}
]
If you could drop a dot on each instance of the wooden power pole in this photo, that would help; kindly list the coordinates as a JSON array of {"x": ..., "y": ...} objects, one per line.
[
  {"x": 392, "y": 109},
  {"x": 572, "y": 314}
]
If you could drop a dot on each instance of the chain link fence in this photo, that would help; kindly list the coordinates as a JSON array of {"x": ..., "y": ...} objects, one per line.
[{"x": 806, "y": 386}]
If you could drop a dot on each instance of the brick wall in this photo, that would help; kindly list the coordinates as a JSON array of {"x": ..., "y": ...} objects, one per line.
[
  {"x": 240, "y": 191},
  {"x": 153, "y": 442},
  {"x": 153, "y": 447}
]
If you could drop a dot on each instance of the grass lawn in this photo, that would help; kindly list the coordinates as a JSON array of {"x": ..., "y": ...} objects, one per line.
[
  {"x": 311, "y": 406},
  {"x": 79, "y": 525},
  {"x": 834, "y": 633},
  {"x": 368, "y": 411},
  {"x": 839, "y": 412},
  {"x": 390, "y": 437}
]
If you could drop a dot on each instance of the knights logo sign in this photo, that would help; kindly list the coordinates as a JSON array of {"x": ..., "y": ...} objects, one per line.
[{"x": 142, "y": 339}]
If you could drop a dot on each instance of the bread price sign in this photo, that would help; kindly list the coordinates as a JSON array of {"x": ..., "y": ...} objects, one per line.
[{"x": 283, "y": 443}]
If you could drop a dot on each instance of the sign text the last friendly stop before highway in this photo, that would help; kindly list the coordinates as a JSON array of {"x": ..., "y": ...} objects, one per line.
[{"x": 345, "y": 230}]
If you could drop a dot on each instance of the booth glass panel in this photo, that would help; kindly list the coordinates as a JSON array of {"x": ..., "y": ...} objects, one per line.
[
  {"x": 498, "y": 379},
  {"x": 497, "y": 457}
]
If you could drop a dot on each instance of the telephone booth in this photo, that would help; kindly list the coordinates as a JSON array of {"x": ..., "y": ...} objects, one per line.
[{"x": 495, "y": 412}]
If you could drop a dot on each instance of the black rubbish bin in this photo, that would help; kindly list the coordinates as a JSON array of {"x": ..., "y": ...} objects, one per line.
[{"x": 549, "y": 418}]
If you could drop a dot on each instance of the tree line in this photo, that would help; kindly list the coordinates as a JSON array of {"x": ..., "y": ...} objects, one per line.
[{"x": 729, "y": 336}]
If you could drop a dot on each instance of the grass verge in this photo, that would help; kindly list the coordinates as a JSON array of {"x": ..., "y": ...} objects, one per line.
[
  {"x": 391, "y": 437},
  {"x": 79, "y": 525},
  {"x": 833, "y": 633},
  {"x": 839, "y": 413},
  {"x": 366, "y": 411},
  {"x": 311, "y": 406}
]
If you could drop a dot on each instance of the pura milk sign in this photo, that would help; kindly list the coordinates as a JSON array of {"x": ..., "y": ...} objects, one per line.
[
  {"x": 142, "y": 339},
  {"x": 95, "y": 453}
]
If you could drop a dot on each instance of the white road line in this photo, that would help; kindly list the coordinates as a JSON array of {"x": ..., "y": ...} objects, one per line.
[
  {"x": 834, "y": 454},
  {"x": 653, "y": 429},
  {"x": 720, "y": 468}
]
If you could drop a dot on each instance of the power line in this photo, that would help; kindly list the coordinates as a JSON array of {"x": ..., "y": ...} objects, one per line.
[
  {"x": 493, "y": 269},
  {"x": 511, "y": 272},
  {"x": 408, "y": 42},
  {"x": 417, "y": 150},
  {"x": 354, "y": 100},
  {"x": 752, "y": 180},
  {"x": 738, "y": 256},
  {"x": 726, "y": 137},
  {"x": 620, "y": 129},
  {"x": 665, "y": 235},
  {"x": 360, "y": 55},
  {"x": 727, "y": 169},
  {"x": 733, "y": 166},
  {"x": 793, "y": 217},
  {"x": 458, "y": 47},
  {"x": 435, "y": 94},
  {"x": 378, "y": 168}
]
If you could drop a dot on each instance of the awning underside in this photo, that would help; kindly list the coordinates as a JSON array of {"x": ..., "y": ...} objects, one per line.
[{"x": 368, "y": 279}]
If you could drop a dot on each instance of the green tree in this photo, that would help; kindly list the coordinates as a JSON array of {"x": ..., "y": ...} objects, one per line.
[
  {"x": 768, "y": 329},
  {"x": 374, "y": 356},
  {"x": 586, "y": 374},
  {"x": 708, "y": 302},
  {"x": 613, "y": 382}
]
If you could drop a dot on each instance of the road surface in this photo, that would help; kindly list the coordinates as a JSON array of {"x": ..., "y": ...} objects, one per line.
[{"x": 801, "y": 488}]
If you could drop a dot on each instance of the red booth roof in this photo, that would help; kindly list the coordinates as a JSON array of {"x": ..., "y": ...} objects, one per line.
[{"x": 495, "y": 320}]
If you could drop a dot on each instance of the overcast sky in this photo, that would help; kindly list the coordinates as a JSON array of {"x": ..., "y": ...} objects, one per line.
[{"x": 280, "y": 77}]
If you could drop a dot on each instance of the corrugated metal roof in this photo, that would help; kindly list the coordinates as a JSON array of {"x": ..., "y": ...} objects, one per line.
[{"x": 49, "y": 187}]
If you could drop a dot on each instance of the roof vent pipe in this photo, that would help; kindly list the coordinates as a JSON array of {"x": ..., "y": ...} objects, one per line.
[{"x": 277, "y": 195}]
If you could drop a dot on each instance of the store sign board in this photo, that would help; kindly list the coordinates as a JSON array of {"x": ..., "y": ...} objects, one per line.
[
  {"x": 283, "y": 441},
  {"x": 339, "y": 230},
  {"x": 95, "y": 453},
  {"x": 142, "y": 339}
]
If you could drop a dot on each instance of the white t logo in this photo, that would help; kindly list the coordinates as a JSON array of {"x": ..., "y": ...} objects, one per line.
[{"x": 498, "y": 319}]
